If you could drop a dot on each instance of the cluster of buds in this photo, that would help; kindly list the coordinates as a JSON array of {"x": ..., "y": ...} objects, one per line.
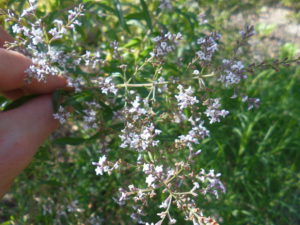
[
  {"x": 234, "y": 72},
  {"x": 248, "y": 32},
  {"x": 165, "y": 44},
  {"x": 166, "y": 5},
  {"x": 209, "y": 46},
  {"x": 197, "y": 133},
  {"x": 213, "y": 111},
  {"x": 186, "y": 97},
  {"x": 252, "y": 102},
  {"x": 106, "y": 85},
  {"x": 105, "y": 166},
  {"x": 91, "y": 60},
  {"x": 61, "y": 115},
  {"x": 90, "y": 115},
  {"x": 139, "y": 131}
]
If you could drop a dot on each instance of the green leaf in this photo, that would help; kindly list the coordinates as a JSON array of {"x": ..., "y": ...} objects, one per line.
[
  {"x": 132, "y": 42},
  {"x": 135, "y": 16},
  {"x": 74, "y": 140},
  {"x": 103, "y": 6},
  {"x": 56, "y": 98},
  {"x": 19, "y": 102},
  {"x": 6, "y": 223},
  {"x": 69, "y": 141},
  {"x": 146, "y": 14},
  {"x": 3, "y": 102},
  {"x": 119, "y": 12}
]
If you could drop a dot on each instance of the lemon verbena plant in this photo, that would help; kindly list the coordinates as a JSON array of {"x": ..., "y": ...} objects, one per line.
[{"x": 154, "y": 106}]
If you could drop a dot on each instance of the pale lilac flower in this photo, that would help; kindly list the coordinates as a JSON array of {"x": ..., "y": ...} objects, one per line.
[
  {"x": 16, "y": 28},
  {"x": 165, "y": 44},
  {"x": 31, "y": 9},
  {"x": 104, "y": 166},
  {"x": 213, "y": 111},
  {"x": 37, "y": 35},
  {"x": 185, "y": 97},
  {"x": 233, "y": 72},
  {"x": 159, "y": 169},
  {"x": 106, "y": 85},
  {"x": 61, "y": 115},
  {"x": 208, "y": 45},
  {"x": 150, "y": 179},
  {"x": 166, "y": 5},
  {"x": 196, "y": 72},
  {"x": 198, "y": 132},
  {"x": 165, "y": 203},
  {"x": 146, "y": 167}
]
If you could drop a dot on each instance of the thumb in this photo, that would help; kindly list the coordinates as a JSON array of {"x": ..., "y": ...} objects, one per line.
[{"x": 22, "y": 131}]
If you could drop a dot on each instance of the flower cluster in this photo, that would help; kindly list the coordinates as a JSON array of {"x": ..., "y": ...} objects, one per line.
[
  {"x": 165, "y": 44},
  {"x": 166, "y": 5},
  {"x": 106, "y": 85},
  {"x": 62, "y": 115},
  {"x": 186, "y": 97},
  {"x": 139, "y": 131},
  {"x": 209, "y": 46},
  {"x": 90, "y": 115},
  {"x": 213, "y": 111},
  {"x": 91, "y": 60},
  {"x": 252, "y": 102},
  {"x": 234, "y": 72},
  {"x": 166, "y": 178},
  {"x": 213, "y": 184},
  {"x": 198, "y": 132},
  {"x": 76, "y": 83},
  {"x": 47, "y": 60},
  {"x": 104, "y": 166}
]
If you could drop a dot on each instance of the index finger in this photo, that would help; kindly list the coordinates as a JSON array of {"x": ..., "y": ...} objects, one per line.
[
  {"x": 12, "y": 75},
  {"x": 4, "y": 36},
  {"x": 12, "y": 70}
]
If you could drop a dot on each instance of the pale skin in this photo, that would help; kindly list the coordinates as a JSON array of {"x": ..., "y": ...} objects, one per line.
[{"x": 23, "y": 129}]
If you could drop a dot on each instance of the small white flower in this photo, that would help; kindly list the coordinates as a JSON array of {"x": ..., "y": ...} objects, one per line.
[
  {"x": 185, "y": 97},
  {"x": 99, "y": 170},
  {"x": 196, "y": 72},
  {"x": 159, "y": 169},
  {"x": 244, "y": 98},
  {"x": 150, "y": 179},
  {"x": 102, "y": 160},
  {"x": 196, "y": 185},
  {"x": 146, "y": 167},
  {"x": 165, "y": 203},
  {"x": 61, "y": 115},
  {"x": 163, "y": 45},
  {"x": 37, "y": 36},
  {"x": 172, "y": 221},
  {"x": 16, "y": 28},
  {"x": 156, "y": 39}
]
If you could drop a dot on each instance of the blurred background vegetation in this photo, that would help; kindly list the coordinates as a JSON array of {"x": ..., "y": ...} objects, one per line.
[{"x": 257, "y": 152}]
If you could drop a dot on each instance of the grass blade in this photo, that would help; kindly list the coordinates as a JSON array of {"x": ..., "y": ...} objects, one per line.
[
  {"x": 146, "y": 14},
  {"x": 120, "y": 15}
]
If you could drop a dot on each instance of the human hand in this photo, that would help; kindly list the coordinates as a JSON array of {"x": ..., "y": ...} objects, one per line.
[{"x": 23, "y": 129}]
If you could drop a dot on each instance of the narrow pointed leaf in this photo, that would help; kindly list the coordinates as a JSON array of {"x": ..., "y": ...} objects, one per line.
[{"x": 146, "y": 14}]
